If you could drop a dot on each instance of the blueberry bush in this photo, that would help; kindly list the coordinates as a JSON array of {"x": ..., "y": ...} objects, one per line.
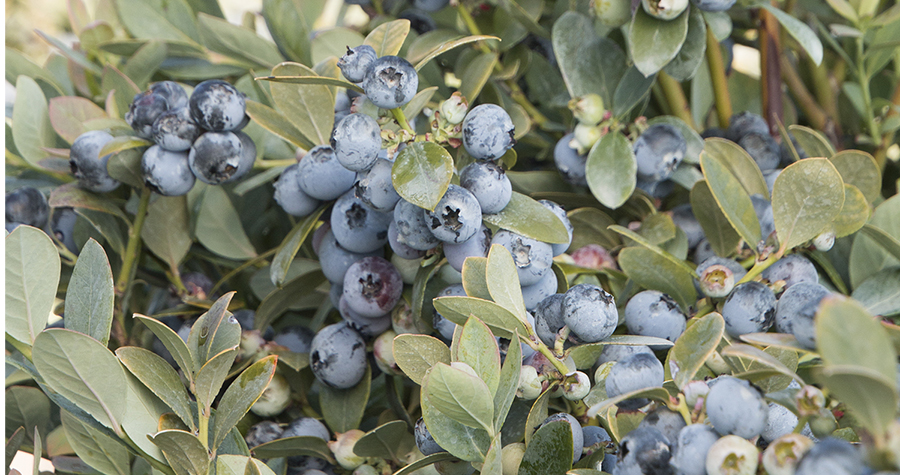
[{"x": 530, "y": 237}]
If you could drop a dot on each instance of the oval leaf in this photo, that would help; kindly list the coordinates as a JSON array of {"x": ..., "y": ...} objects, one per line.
[
  {"x": 218, "y": 225},
  {"x": 240, "y": 395},
  {"x": 68, "y": 115},
  {"x": 388, "y": 37},
  {"x": 208, "y": 380},
  {"x": 502, "y": 280},
  {"x": 854, "y": 213},
  {"x": 739, "y": 163},
  {"x": 694, "y": 346},
  {"x": 806, "y": 198},
  {"x": 101, "y": 452},
  {"x": 654, "y": 42},
  {"x": 160, "y": 378},
  {"x": 310, "y": 107},
  {"x": 166, "y": 230},
  {"x": 612, "y": 170},
  {"x": 176, "y": 346},
  {"x": 812, "y": 142},
  {"x": 184, "y": 452},
  {"x": 549, "y": 452},
  {"x": 859, "y": 169},
  {"x": 501, "y": 321},
  {"x": 290, "y": 245},
  {"x": 32, "y": 275},
  {"x": 449, "y": 45},
  {"x": 846, "y": 334},
  {"x": 421, "y": 173},
  {"x": 31, "y": 126},
  {"x": 90, "y": 294},
  {"x": 343, "y": 409},
  {"x": 529, "y": 218},
  {"x": 871, "y": 398},
  {"x": 291, "y": 446},
  {"x": 214, "y": 332},
  {"x": 731, "y": 198},
  {"x": 416, "y": 354},
  {"x": 478, "y": 349},
  {"x": 460, "y": 396},
  {"x": 800, "y": 31},
  {"x": 652, "y": 271},
  {"x": 721, "y": 235}
]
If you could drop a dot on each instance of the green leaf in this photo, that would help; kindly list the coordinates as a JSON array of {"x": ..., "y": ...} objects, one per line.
[
  {"x": 145, "y": 62},
  {"x": 800, "y": 31},
  {"x": 29, "y": 408},
  {"x": 290, "y": 245},
  {"x": 478, "y": 349},
  {"x": 476, "y": 74},
  {"x": 285, "y": 20},
  {"x": 309, "y": 107},
  {"x": 388, "y": 37},
  {"x": 184, "y": 452},
  {"x": 424, "y": 462},
  {"x": 343, "y": 409},
  {"x": 854, "y": 213},
  {"x": 876, "y": 247},
  {"x": 754, "y": 354},
  {"x": 529, "y": 218},
  {"x": 460, "y": 396},
  {"x": 780, "y": 340},
  {"x": 652, "y": 247},
  {"x": 500, "y": 320},
  {"x": 739, "y": 163},
  {"x": 68, "y": 115},
  {"x": 588, "y": 63},
  {"x": 90, "y": 296},
  {"x": 416, "y": 354},
  {"x": 32, "y": 275},
  {"x": 13, "y": 442},
  {"x": 84, "y": 371},
  {"x": 284, "y": 298},
  {"x": 209, "y": 379},
  {"x": 654, "y": 42},
  {"x": 218, "y": 225},
  {"x": 176, "y": 346},
  {"x": 721, "y": 235},
  {"x": 125, "y": 166},
  {"x": 859, "y": 169},
  {"x": 549, "y": 452},
  {"x": 386, "y": 441},
  {"x": 421, "y": 173},
  {"x": 509, "y": 382},
  {"x": 872, "y": 400},
  {"x": 157, "y": 375},
  {"x": 69, "y": 195},
  {"x": 125, "y": 142},
  {"x": 612, "y": 170},
  {"x": 321, "y": 80},
  {"x": 695, "y": 143},
  {"x": 449, "y": 45},
  {"x": 278, "y": 124},
  {"x": 502, "y": 281},
  {"x": 240, "y": 395},
  {"x": 655, "y": 394},
  {"x": 166, "y": 230},
  {"x": 227, "y": 464},
  {"x": 846, "y": 334},
  {"x": 536, "y": 415},
  {"x": 731, "y": 198},
  {"x": 474, "y": 277},
  {"x": 101, "y": 452},
  {"x": 31, "y": 126},
  {"x": 143, "y": 21},
  {"x": 806, "y": 198},
  {"x": 844, "y": 9},
  {"x": 122, "y": 88},
  {"x": 689, "y": 58},
  {"x": 592, "y": 227},
  {"x": 493, "y": 463},
  {"x": 468, "y": 443},
  {"x": 694, "y": 346},
  {"x": 653, "y": 271},
  {"x": 419, "y": 101},
  {"x": 812, "y": 142},
  {"x": 214, "y": 332},
  {"x": 237, "y": 42},
  {"x": 632, "y": 89},
  {"x": 290, "y": 446},
  {"x": 108, "y": 226},
  {"x": 144, "y": 413}
]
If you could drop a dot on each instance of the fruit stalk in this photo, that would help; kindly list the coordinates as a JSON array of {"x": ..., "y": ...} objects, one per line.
[
  {"x": 808, "y": 104},
  {"x": 674, "y": 95},
  {"x": 719, "y": 82},
  {"x": 133, "y": 248},
  {"x": 401, "y": 119}
]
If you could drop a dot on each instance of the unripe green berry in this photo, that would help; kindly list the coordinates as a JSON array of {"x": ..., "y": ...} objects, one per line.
[
  {"x": 529, "y": 383},
  {"x": 588, "y": 109},
  {"x": 511, "y": 457},
  {"x": 275, "y": 398},
  {"x": 343, "y": 449},
  {"x": 732, "y": 455}
]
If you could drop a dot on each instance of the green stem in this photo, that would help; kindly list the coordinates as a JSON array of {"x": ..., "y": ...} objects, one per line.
[
  {"x": 400, "y": 117},
  {"x": 541, "y": 348},
  {"x": 203, "y": 416},
  {"x": 761, "y": 266},
  {"x": 133, "y": 249},
  {"x": 379, "y": 8},
  {"x": 472, "y": 26},
  {"x": 517, "y": 95},
  {"x": 719, "y": 82},
  {"x": 866, "y": 93},
  {"x": 676, "y": 99},
  {"x": 561, "y": 337},
  {"x": 237, "y": 270},
  {"x": 267, "y": 164},
  {"x": 801, "y": 423}
]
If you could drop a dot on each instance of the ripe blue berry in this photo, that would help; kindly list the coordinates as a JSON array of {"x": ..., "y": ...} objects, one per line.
[
  {"x": 733, "y": 406},
  {"x": 296, "y": 338},
  {"x": 456, "y": 217},
  {"x": 561, "y": 214},
  {"x": 174, "y": 94},
  {"x": 442, "y": 326},
  {"x": 653, "y": 313},
  {"x": 590, "y": 312},
  {"x": 412, "y": 226},
  {"x": 390, "y": 82},
  {"x": 338, "y": 356},
  {"x": 322, "y": 176},
  {"x": 691, "y": 447},
  {"x": 548, "y": 318},
  {"x": 569, "y": 162},
  {"x": 577, "y": 433},
  {"x": 762, "y": 148},
  {"x": 306, "y": 427},
  {"x": 477, "y": 246},
  {"x": 216, "y": 157},
  {"x": 356, "y": 141},
  {"x": 401, "y": 250},
  {"x": 424, "y": 441},
  {"x": 290, "y": 197},
  {"x": 26, "y": 206},
  {"x": 763, "y": 208},
  {"x": 430, "y": 5},
  {"x": 632, "y": 373},
  {"x": 367, "y": 327},
  {"x": 796, "y": 312},
  {"x": 749, "y": 309},
  {"x": 832, "y": 456},
  {"x": 644, "y": 450},
  {"x": 335, "y": 260},
  {"x": 372, "y": 286},
  {"x": 619, "y": 352},
  {"x": 144, "y": 110},
  {"x": 167, "y": 173},
  {"x": 714, "y": 5},
  {"x": 62, "y": 223},
  {"x": 175, "y": 130},
  {"x": 532, "y": 257},
  {"x": 358, "y": 227},
  {"x": 263, "y": 432},
  {"x": 489, "y": 183},
  {"x": 488, "y": 132},
  {"x": 792, "y": 269},
  {"x": 744, "y": 123},
  {"x": 356, "y": 61},
  {"x": 217, "y": 105},
  {"x": 88, "y": 166},
  {"x": 683, "y": 217},
  {"x": 535, "y": 293},
  {"x": 659, "y": 150},
  {"x": 376, "y": 187}
]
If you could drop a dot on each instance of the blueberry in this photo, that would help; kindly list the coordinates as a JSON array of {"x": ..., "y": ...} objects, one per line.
[
  {"x": 263, "y": 432},
  {"x": 632, "y": 373},
  {"x": 659, "y": 150},
  {"x": 548, "y": 318},
  {"x": 376, "y": 187},
  {"x": 763, "y": 208},
  {"x": 668, "y": 422},
  {"x": 718, "y": 276},
  {"x": 569, "y": 162},
  {"x": 420, "y": 21},
  {"x": 372, "y": 286},
  {"x": 217, "y": 106},
  {"x": 367, "y": 327},
  {"x": 796, "y": 312},
  {"x": 477, "y": 246},
  {"x": 356, "y": 61},
  {"x": 290, "y": 197},
  {"x": 296, "y": 338},
  {"x": 401, "y": 250},
  {"x": 750, "y": 308},
  {"x": 442, "y": 326},
  {"x": 692, "y": 445},
  {"x": 430, "y": 5},
  {"x": 322, "y": 176},
  {"x": 358, "y": 227},
  {"x": 26, "y": 206},
  {"x": 533, "y": 258},
  {"x": 143, "y": 112},
  {"x": 488, "y": 132},
  {"x": 216, "y": 157},
  {"x": 762, "y": 148},
  {"x": 561, "y": 214},
  {"x": 167, "y": 173},
  {"x": 88, "y": 166},
  {"x": 780, "y": 421},
  {"x": 792, "y": 269},
  {"x": 306, "y": 427},
  {"x": 175, "y": 130},
  {"x": 274, "y": 399},
  {"x": 590, "y": 312},
  {"x": 390, "y": 82},
  {"x": 714, "y": 132},
  {"x": 424, "y": 441},
  {"x": 737, "y": 270},
  {"x": 732, "y": 455},
  {"x": 744, "y": 123},
  {"x": 714, "y": 5},
  {"x": 619, "y": 352},
  {"x": 338, "y": 356},
  {"x": 832, "y": 456},
  {"x": 653, "y": 313},
  {"x": 594, "y": 439},
  {"x": 646, "y": 451},
  {"x": 457, "y": 216},
  {"x": 335, "y": 260},
  {"x": 664, "y": 9},
  {"x": 489, "y": 183},
  {"x": 356, "y": 141},
  {"x": 703, "y": 251},
  {"x": 247, "y": 158},
  {"x": 683, "y": 217},
  {"x": 412, "y": 227},
  {"x": 733, "y": 406},
  {"x": 577, "y": 434},
  {"x": 783, "y": 454},
  {"x": 174, "y": 94},
  {"x": 536, "y": 293}
]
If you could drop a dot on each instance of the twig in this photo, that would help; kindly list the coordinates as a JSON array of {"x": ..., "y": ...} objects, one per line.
[{"x": 719, "y": 82}]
